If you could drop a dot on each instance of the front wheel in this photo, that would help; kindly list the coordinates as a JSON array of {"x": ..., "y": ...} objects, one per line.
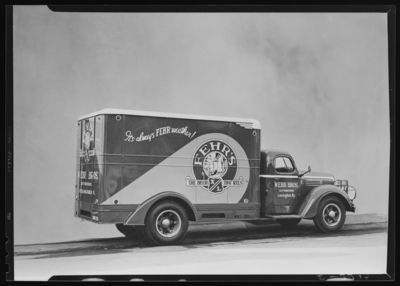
[
  {"x": 166, "y": 223},
  {"x": 331, "y": 214}
]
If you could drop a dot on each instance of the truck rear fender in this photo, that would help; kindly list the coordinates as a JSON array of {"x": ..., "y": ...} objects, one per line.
[
  {"x": 139, "y": 215},
  {"x": 308, "y": 208}
]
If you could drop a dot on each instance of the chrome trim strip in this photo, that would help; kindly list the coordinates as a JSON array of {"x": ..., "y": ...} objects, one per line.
[
  {"x": 331, "y": 178},
  {"x": 281, "y": 176},
  {"x": 277, "y": 176}
]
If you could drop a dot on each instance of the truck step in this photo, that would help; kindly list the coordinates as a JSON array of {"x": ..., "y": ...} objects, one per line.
[{"x": 275, "y": 217}]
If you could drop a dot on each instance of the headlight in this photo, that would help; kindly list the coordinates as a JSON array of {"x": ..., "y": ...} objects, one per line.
[
  {"x": 352, "y": 192},
  {"x": 343, "y": 184}
]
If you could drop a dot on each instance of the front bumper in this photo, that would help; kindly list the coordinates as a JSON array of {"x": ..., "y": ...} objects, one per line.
[{"x": 353, "y": 208}]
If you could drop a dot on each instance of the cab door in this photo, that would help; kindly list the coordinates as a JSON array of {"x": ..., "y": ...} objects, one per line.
[{"x": 286, "y": 185}]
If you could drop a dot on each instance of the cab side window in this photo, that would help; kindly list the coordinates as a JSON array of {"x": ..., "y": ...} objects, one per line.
[{"x": 283, "y": 165}]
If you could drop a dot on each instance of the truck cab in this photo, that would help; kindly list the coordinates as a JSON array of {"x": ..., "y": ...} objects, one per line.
[{"x": 289, "y": 195}]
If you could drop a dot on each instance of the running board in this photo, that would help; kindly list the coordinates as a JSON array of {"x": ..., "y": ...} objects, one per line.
[{"x": 275, "y": 217}]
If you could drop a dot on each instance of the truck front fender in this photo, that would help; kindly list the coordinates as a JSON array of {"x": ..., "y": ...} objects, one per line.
[
  {"x": 308, "y": 208},
  {"x": 139, "y": 215}
]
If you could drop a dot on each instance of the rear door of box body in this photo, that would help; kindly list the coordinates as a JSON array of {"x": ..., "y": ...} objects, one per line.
[{"x": 89, "y": 168}]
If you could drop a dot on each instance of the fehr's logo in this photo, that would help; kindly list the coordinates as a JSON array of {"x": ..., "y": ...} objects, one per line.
[{"x": 214, "y": 167}]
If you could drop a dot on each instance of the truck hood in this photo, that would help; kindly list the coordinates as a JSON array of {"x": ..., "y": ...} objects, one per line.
[{"x": 318, "y": 176}]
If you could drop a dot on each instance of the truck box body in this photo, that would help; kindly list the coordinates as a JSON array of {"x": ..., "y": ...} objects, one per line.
[{"x": 127, "y": 157}]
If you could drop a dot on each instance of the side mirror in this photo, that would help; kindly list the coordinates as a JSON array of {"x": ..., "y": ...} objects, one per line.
[{"x": 309, "y": 170}]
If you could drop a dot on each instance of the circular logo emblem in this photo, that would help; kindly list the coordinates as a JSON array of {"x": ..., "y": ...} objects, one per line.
[
  {"x": 214, "y": 167},
  {"x": 215, "y": 164}
]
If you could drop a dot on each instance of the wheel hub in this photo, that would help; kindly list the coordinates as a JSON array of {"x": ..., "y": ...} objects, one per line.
[
  {"x": 166, "y": 223},
  {"x": 331, "y": 214}
]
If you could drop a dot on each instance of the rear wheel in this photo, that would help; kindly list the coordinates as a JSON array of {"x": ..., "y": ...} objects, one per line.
[
  {"x": 289, "y": 222},
  {"x": 166, "y": 223},
  {"x": 331, "y": 214}
]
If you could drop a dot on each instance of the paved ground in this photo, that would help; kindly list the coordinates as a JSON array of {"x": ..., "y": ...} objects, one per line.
[{"x": 232, "y": 248}]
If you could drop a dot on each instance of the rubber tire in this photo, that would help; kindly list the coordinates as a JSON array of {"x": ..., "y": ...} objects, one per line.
[
  {"x": 150, "y": 230},
  {"x": 319, "y": 220},
  {"x": 130, "y": 231},
  {"x": 289, "y": 222}
]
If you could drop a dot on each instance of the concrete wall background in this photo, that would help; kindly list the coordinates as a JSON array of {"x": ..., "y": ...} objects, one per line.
[{"x": 318, "y": 83}]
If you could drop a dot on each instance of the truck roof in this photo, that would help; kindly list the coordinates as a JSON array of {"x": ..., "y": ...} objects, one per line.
[
  {"x": 244, "y": 122},
  {"x": 274, "y": 152}
]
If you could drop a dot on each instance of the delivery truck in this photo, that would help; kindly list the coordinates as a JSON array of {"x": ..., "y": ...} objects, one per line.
[{"x": 155, "y": 172}]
